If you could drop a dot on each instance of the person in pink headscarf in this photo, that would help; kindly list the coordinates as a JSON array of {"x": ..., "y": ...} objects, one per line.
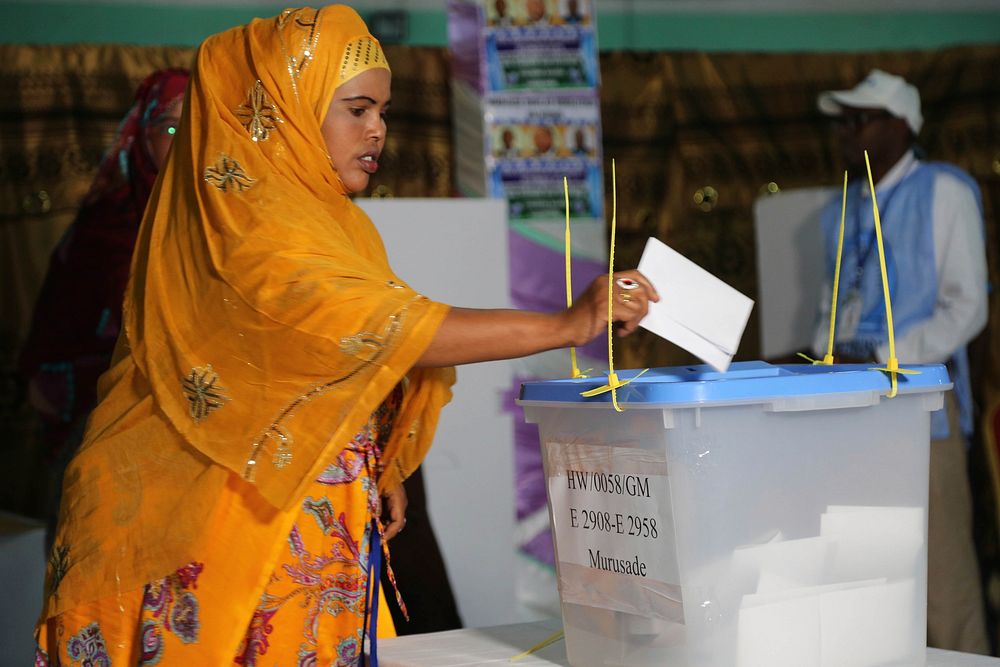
[{"x": 78, "y": 312}]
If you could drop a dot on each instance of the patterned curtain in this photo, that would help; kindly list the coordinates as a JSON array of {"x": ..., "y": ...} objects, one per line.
[{"x": 417, "y": 160}]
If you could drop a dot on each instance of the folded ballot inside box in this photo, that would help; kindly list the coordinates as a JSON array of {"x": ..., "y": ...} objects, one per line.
[{"x": 769, "y": 515}]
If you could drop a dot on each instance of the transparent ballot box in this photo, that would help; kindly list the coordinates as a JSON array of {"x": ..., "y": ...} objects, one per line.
[{"x": 769, "y": 516}]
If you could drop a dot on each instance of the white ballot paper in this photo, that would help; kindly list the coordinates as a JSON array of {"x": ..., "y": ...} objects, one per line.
[{"x": 696, "y": 310}]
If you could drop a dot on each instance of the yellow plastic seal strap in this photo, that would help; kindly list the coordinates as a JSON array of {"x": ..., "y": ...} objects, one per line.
[
  {"x": 812, "y": 361},
  {"x": 614, "y": 384},
  {"x": 892, "y": 366},
  {"x": 539, "y": 646},
  {"x": 828, "y": 359},
  {"x": 569, "y": 280}
]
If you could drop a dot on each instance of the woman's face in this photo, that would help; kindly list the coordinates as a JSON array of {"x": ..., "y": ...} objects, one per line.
[{"x": 354, "y": 127}]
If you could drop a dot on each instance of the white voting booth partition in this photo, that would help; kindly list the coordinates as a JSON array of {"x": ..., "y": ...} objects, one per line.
[
  {"x": 22, "y": 573},
  {"x": 455, "y": 251},
  {"x": 790, "y": 268}
]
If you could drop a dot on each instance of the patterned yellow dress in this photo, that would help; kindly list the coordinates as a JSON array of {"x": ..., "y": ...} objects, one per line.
[{"x": 322, "y": 575}]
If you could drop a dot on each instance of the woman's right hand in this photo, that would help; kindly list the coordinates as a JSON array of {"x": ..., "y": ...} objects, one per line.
[{"x": 631, "y": 294}]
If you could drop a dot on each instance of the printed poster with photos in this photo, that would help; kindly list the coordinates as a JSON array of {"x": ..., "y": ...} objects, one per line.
[
  {"x": 538, "y": 13},
  {"x": 529, "y": 45},
  {"x": 533, "y": 142},
  {"x": 525, "y": 77},
  {"x": 539, "y": 44}
]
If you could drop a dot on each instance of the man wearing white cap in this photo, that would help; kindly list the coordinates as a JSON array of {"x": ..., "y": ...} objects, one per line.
[{"x": 932, "y": 226}]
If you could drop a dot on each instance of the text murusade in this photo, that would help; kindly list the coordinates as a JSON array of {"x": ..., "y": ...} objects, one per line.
[{"x": 600, "y": 561}]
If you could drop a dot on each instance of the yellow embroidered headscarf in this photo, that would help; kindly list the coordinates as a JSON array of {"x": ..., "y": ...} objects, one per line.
[{"x": 262, "y": 308}]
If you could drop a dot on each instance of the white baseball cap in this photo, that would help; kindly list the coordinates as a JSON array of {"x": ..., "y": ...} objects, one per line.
[{"x": 879, "y": 90}]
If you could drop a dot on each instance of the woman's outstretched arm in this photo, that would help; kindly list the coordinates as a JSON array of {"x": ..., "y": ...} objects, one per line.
[{"x": 472, "y": 335}]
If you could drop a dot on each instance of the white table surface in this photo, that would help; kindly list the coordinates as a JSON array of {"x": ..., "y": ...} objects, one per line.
[{"x": 497, "y": 645}]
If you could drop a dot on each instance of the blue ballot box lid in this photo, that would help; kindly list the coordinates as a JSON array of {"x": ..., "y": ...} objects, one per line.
[{"x": 745, "y": 381}]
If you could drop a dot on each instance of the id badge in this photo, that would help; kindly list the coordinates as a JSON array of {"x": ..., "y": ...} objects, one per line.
[{"x": 849, "y": 316}]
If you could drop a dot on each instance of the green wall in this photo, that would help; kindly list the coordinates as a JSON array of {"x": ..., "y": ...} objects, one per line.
[{"x": 68, "y": 22}]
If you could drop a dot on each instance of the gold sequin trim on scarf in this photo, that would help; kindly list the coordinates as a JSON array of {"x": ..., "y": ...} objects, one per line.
[
  {"x": 356, "y": 344},
  {"x": 362, "y": 54},
  {"x": 374, "y": 344},
  {"x": 203, "y": 392},
  {"x": 258, "y": 115},
  {"x": 227, "y": 175},
  {"x": 306, "y": 21}
]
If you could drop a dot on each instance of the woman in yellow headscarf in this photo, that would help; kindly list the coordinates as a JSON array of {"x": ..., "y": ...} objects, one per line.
[{"x": 274, "y": 378}]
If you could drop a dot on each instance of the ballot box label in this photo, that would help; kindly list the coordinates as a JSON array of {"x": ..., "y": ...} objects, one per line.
[{"x": 613, "y": 528}]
